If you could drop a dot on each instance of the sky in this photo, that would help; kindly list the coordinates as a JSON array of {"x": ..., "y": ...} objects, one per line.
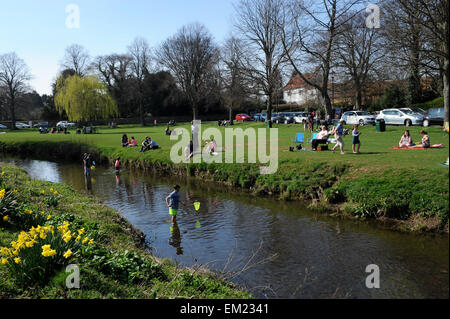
[{"x": 40, "y": 30}]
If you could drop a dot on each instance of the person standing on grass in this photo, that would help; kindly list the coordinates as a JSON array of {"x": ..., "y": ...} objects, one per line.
[
  {"x": 173, "y": 202},
  {"x": 339, "y": 135},
  {"x": 356, "y": 143}
]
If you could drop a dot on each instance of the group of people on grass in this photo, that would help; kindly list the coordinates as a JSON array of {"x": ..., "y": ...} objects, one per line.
[
  {"x": 146, "y": 145},
  {"x": 406, "y": 140},
  {"x": 339, "y": 132}
]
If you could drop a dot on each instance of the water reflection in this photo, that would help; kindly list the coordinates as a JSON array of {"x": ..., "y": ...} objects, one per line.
[
  {"x": 175, "y": 239},
  {"x": 316, "y": 256}
]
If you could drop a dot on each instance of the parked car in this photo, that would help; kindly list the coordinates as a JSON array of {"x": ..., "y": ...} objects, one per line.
[
  {"x": 288, "y": 117},
  {"x": 243, "y": 117},
  {"x": 258, "y": 117},
  {"x": 277, "y": 118},
  {"x": 40, "y": 124},
  {"x": 3, "y": 127},
  {"x": 21, "y": 125},
  {"x": 301, "y": 117},
  {"x": 434, "y": 117},
  {"x": 358, "y": 117},
  {"x": 400, "y": 117},
  {"x": 65, "y": 124},
  {"x": 415, "y": 110}
]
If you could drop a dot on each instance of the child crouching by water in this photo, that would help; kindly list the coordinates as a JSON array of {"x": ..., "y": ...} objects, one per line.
[{"x": 173, "y": 201}]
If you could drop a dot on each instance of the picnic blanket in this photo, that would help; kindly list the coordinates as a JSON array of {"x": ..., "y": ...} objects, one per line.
[{"x": 418, "y": 148}]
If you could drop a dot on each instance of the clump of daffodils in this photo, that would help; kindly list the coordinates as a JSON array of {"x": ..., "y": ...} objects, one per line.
[{"x": 41, "y": 251}]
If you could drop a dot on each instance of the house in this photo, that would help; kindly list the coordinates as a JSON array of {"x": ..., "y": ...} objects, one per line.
[{"x": 297, "y": 91}]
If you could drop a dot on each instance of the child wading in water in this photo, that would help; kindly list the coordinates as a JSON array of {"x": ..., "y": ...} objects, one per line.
[
  {"x": 356, "y": 141},
  {"x": 117, "y": 165},
  {"x": 173, "y": 201}
]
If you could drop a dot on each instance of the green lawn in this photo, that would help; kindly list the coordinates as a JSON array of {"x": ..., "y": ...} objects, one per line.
[
  {"x": 407, "y": 185},
  {"x": 376, "y": 148}
]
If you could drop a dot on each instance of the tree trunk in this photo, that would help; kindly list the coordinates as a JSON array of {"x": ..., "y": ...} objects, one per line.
[
  {"x": 326, "y": 103},
  {"x": 12, "y": 107},
  {"x": 445, "y": 79},
  {"x": 194, "y": 111},
  {"x": 230, "y": 113},
  {"x": 358, "y": 100},
  {"x": 269, "y": 107},
  {"x": 141, "y": 112}
]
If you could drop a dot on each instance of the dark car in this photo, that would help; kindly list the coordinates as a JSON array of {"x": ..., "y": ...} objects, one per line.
[
  {"x": 434, "y": 117},
  {"x": 41, "y": 124}
]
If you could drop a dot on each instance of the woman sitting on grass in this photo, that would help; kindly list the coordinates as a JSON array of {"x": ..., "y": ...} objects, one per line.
[
  {"x": 133, "y": 142},
  {"x": 124, "y": 140},
  {"x": 425, "y": 141},
  {"x": 321, "y": 138},
  {"x": 406, "y": 140}
]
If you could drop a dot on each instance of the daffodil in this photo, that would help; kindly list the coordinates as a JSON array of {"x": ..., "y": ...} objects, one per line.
[
  {"x": 4, "y": 261},
  {"x": 55, "y": 193},
  {"x": 17, "y": 260},
  {"x": 67, "y": 254},
  {"x": 5, "y": 218},
  {"x": 43, "y": 192},
  {"x": 15, "y": 191}
]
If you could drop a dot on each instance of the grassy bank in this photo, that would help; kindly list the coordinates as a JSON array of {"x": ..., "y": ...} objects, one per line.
[
  {"x": 405, "y": 186},
  {"x": 46, "y": 226}
]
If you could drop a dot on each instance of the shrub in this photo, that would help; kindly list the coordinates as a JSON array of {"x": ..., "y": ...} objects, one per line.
[{"x": 40, "y": 252}]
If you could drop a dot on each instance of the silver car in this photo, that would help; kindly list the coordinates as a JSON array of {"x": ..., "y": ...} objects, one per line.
[
  {"x": 358, "y": 117},
  {"x": 400, "y": 117}
]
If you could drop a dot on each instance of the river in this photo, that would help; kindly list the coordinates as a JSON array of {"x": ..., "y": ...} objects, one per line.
[{"x": 274, "y": 248}]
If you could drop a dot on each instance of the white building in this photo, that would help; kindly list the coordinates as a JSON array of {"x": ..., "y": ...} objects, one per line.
[{"x": 297, "y": 91}]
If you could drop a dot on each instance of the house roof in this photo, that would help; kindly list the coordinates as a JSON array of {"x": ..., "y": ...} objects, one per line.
[{"x": 297, "y": 82}]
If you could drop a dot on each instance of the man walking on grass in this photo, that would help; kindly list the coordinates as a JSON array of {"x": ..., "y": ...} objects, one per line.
[{"x": 339, "y": 133}]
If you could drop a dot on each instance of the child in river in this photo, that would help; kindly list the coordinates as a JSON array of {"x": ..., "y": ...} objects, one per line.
[
  {"x": 173, "y": 202},
  {"x": 117, "y": 165}
]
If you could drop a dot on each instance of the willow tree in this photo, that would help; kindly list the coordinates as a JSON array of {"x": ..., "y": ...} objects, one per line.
[{"x": 84, "y": 99}]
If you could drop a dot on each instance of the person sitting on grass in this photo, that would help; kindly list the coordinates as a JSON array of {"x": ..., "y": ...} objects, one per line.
[
  {"x": 153, "y": 145},
  {"x": 406, "y": 140},
  {"x": 322, "y": 138},
  {"x": 124, "y": 140},
  {"x": 145, "y": 145},
  {"x": 133, "y": 142},
  {"x": 425, "y": 141},
  {"x": 356, "y": 143}
]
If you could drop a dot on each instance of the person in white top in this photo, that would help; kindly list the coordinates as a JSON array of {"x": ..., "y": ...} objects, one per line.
[{"x": 322, "y": 138}]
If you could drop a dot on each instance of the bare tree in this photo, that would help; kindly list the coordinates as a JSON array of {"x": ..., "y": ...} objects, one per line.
[
  {"x": 76, "y": 58},
  {"x": 258, "y": 22},
  {"x": 141, "y": 55},
  {"x": 14, "y": 78},
  {"x": 236, "y": 86},
  {"x": 309, "y": 40},
  {"x": 192, "y": 56},
  {"x": 358, "y": 53},
  {"x": 433, "y": 17}
]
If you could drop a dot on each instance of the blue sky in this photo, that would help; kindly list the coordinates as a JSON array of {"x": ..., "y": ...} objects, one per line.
[{"x": 36, "y": 29}]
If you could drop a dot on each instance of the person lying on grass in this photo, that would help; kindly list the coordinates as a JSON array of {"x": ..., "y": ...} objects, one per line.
[{"x": 426, "y": 143}]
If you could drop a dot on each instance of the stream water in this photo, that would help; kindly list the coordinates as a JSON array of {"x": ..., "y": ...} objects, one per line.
[{"x": 276, "y": 249}]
